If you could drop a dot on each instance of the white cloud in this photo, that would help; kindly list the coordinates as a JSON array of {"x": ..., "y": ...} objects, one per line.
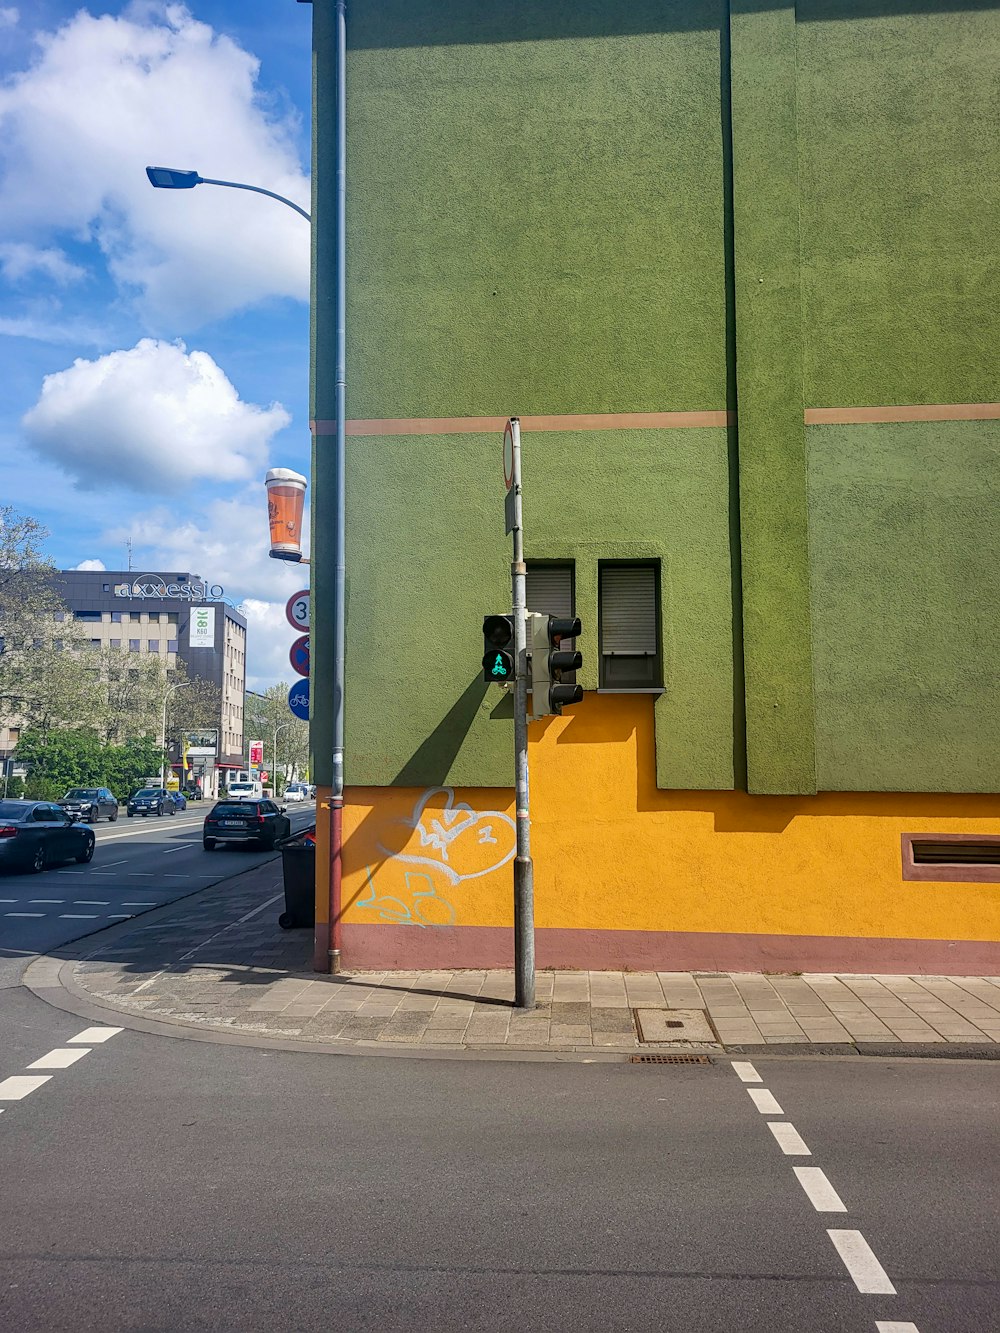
[
  {"x": 91, "y": 564},
  {"x": 18, "y": 260},
  {"x": 9, "y": 17},
  {"x": 269, "y": 637},
  {"x": 106, "y": 97},
  {"x": 155, "y": 417}
]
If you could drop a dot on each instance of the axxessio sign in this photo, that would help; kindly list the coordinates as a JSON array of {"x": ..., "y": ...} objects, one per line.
[{"x": 151, "y": 585}]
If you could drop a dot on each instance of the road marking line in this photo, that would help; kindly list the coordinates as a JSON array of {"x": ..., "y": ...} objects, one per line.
[
  {"x": 181, "y": 848},
  {"x": 90, "y": 1036},
  {"x": 78, "y": 916},
  {"x": 764, "y": 1101},
  {"x": 14, "y": 1089},
  {"x": 61, "y": 1058},
  {"x": 60, "y": 901},
  {"x": 176, "y": 876},
  {"x": 91, "y": 902},
  {"x": 120, "y": 916},
  {"x": 788, "y": 1137},
  {"x": 106, "y": 864},
  {"x": 10, "y": 900},
  {"x": 894, "y": 1326},
  {"x": 867, "y": 1273},
  {"x": 823, "y": 1197},
  {"x": 24, "y": 913},
  {"x": 138, "y": 904},
  {"x": 744, "y": 1069}
]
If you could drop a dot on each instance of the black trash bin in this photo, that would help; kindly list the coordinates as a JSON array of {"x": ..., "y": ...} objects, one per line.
[{"x": 298, "y": 865}]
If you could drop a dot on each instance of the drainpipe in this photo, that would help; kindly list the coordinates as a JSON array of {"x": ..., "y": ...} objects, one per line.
[{"x": 340, "y": 395}]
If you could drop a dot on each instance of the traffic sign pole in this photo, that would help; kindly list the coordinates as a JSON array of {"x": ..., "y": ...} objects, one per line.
[{"x": 524, "y": 886}]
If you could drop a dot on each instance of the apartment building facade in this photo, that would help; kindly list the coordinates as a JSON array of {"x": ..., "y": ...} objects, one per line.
[
  {"x": 179, "y": 618},
  {"x": 732, "y": 266}
]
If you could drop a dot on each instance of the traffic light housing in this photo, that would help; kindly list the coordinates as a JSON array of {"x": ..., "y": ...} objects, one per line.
[
  {"x": 499, "y": 666},
  {"x": 548, "y": 661}
]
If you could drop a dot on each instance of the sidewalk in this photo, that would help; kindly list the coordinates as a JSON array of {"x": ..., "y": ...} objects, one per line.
[{"x": 219, "y": 962}]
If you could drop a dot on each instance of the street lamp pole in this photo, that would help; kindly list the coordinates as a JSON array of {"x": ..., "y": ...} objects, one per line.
[
  {"x": 181, "y": 685},
  {"x": 274, "y": 751}
]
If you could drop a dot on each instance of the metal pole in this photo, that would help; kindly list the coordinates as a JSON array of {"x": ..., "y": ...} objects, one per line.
[
  {"x": 237, "y": 185},
  {"x": 524, "y": 881},
  {"x": 340, "y": 470}
]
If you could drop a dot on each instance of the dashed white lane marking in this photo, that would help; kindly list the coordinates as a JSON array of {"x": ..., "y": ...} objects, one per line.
[
  {"x": 47, "y": 900},
  {"x": 823, "y": 1197},
  {"x": 789, "y": 1140},
  {"x": 185, "y": 846},
  {"x": 61, "y": 1058},
  {"x": 119, "y": 916},
  {"x": 744, "y": 1069},
  {"x": 13, "y": 1089},
  {"x": 866, "y": 1272},
  {"x": 91, "y": 902},
  {"x": 77, "y": 916},
  {"x": 894, "y": 1326},
  {"x": 138, "y": 904},
  {"x": 92, "y": 1036},
  {"x": 24, "y": 913},
  {"x": 764, "y": 1101}
]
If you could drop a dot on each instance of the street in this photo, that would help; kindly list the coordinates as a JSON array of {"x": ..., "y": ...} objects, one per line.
[
  {"x": 154, "y": 1182},
  {"x": 138, "y": 864}
]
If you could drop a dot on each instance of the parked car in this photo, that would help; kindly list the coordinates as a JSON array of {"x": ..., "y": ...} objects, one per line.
[
  {"x": 296, "y": 791},
  {"x": 36, "y": 834},
  {"x": 90, "y": 804},
  {"x": 261, "y": 822},
  {"x": 180, "y": 800},
  {"x": 193, "y": 793},
  {"x": 151, "y": 801}
]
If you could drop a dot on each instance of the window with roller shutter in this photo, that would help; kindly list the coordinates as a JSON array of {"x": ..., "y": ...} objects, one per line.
[{"x": 629, "y": 627}]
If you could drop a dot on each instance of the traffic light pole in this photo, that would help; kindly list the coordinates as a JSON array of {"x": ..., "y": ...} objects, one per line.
[{"x": 524, "y": 882}]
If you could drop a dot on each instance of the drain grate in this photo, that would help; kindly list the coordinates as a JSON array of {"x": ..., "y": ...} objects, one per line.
[{"x": 669, "y": 1060}]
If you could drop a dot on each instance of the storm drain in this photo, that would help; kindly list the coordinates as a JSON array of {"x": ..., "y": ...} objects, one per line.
[{"x": 669, "y": 1060}]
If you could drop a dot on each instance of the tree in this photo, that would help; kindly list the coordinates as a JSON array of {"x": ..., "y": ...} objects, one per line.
[
  {"x": 262, "y": 714},
  {"x": 60, "y": 759}
]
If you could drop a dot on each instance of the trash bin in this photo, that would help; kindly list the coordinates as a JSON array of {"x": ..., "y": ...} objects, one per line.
[{"x": 298, "y": 865}]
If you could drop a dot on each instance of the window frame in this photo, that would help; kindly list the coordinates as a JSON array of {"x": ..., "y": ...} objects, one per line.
[
  {"x": 654, "y": 686},
  {"x": 569, "y": 677}
]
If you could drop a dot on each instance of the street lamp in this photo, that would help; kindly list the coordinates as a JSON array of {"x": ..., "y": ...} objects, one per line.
[
  {"x": 181, "y": 685},
  {"x": 274, "y": 751},
  {"x": 169, "y": 178}
]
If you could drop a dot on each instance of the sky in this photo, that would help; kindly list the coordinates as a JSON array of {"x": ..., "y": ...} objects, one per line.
[{"x": 154, "y": 344}]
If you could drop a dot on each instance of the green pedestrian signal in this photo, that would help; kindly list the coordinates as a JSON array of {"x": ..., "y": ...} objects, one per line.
[{"x": 498, "y": 649}]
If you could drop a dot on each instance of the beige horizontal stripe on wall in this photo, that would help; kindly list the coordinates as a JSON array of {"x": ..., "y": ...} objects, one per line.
[
  {"x": 856, "y": 416},
  {"x": 814, "y": 416}
]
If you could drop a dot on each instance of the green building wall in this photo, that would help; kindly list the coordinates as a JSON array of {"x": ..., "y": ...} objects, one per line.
[{"x": 560, "y": 207}]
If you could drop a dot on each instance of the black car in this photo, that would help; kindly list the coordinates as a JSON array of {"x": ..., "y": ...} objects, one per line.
[
  {"x": 192, "y": 793},
  {"x": 260, "y": 822},
  {"x": 151, "y": 801},
  {"x": 36, "y": 834},
  {"x": 90, "y": 803}
]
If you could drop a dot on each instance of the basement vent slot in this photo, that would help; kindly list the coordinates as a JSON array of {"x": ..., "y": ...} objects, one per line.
[{"x": 972, "y": 858}]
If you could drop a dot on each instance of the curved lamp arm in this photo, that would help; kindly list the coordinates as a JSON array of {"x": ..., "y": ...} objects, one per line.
[{"x": 169, "y": 178}]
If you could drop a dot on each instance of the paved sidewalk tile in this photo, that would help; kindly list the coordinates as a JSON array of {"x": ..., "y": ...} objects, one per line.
[{"x": 203, "y": 965}]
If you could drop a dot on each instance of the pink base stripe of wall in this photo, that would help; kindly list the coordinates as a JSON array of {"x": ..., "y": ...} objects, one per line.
[{"x": 407, "y": 948}]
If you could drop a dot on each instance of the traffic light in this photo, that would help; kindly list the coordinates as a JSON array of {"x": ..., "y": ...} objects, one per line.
[
  {"x": 498, "y": 649},
  {"x": 549, "y": 661}
]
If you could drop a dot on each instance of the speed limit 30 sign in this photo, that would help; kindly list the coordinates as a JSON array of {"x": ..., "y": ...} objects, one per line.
[{"x": 297, "y": 610}]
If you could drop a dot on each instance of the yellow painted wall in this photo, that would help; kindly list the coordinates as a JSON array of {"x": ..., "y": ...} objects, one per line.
[{"x": 612, "y": 852}]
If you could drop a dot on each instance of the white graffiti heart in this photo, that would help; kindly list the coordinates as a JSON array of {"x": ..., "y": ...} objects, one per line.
[{"x": 447, "y": 824}]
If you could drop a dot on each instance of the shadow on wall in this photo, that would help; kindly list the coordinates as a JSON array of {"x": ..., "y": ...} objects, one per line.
[{"x": 392, "y": 24}]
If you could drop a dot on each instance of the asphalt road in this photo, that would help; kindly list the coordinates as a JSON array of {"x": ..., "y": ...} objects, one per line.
[
  {"x": 155, "y": 1183},
  {"x": 138, "y": 864},
  {"x": 162, "y": 1184}
]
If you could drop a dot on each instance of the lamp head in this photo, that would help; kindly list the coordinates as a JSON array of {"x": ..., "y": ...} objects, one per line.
[{"x": 167, "y": 178}]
